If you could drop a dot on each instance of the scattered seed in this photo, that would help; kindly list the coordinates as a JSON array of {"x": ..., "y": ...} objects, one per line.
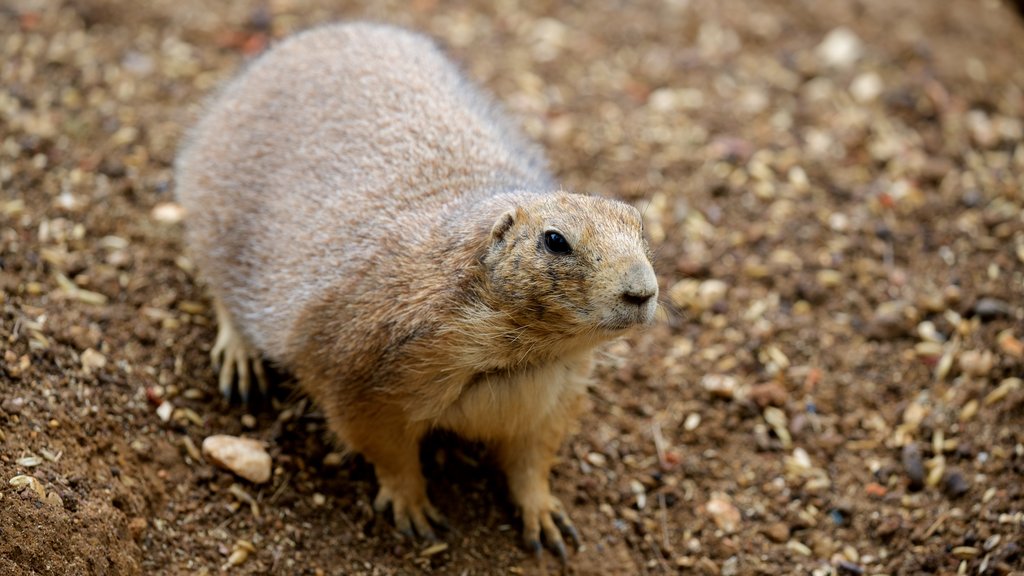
[
  {"x": 434, "y": 549},
  {"x": 29, "y": 461},
  {"x": 1001, "y": 391}
]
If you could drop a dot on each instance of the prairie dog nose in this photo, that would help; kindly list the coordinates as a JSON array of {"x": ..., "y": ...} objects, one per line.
[{"x": 639, "y": 285}]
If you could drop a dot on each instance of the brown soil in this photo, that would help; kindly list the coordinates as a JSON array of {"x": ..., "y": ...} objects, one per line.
[{"x": 833, "y": 388}]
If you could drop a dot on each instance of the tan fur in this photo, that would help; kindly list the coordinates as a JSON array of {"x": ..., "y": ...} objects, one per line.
[{"x": 368, "y": 220}]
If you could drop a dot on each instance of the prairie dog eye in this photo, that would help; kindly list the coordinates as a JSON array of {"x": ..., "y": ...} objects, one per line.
[{"x": 556, "y": 243}]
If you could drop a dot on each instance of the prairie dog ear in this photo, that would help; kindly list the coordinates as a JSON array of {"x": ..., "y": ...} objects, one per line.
[{"x": 504, "y": 223}]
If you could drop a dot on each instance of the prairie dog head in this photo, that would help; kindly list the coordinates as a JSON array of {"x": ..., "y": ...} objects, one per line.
[{"x": 574, "y": 263}]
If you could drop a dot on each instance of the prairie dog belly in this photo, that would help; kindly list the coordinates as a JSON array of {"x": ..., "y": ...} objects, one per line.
[{"x": 507, "y": 404}]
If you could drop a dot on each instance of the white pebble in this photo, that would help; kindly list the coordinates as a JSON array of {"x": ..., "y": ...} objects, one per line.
[
  {"x": 243, "y": 456},
  {"x": 840, "y": 48}
]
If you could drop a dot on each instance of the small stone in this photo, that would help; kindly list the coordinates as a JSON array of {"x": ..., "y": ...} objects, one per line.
[
  {"x": 164, "y": 411},
  {"x": 333, "y": 460},
  {"x": 889, "y": 526},
  {"x": 725, "y": 515},
  {"x": 914, "y": 466},
  {"x": 991, "y": 309},
  {"x": 319, "y": 500},
  {"x": 719, "y": 385},
  {"x": 1010, "y": 344},
  {"x": 243, "y": 456},
  {"x": 13, "y": 405},
  {"x": 876, "y": 490},
  {"x": 711, "y": 292},
  {"x": 954, "y": 484},
  {"x": 768, "y": 394},
  {"x": 137, "y": 527},
  {"x": 248, "y": 421},
  {"x": 777, "y": 532},
  {"x": 829, "y": 278},
  {"x": 692, "y": 422},
  {"x": 841, "y": 48},
  {"x": 847, "y": 567},
  {"x": 892, "y": 320},
  {"x": 92, "y": 360},
  {"x": 866, "y": 87},
  {"x": 168, "y": 213},
  {"x": 31, "y": 482},
  {"x": 977, "y": 362}
]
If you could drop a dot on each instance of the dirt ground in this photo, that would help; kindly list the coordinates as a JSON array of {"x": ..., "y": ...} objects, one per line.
[{"x": 834, "y": 194}]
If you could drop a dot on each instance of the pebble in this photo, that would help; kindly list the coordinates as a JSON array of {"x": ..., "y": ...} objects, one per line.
[
  {"x": 1010, "y": 344},
  {"x": 243, "y": 456},
  {"x": 168, "y": 213},
  {"x": 31, "y": 482},
  {"x": 841, "y": 48},
  {"x": 725, "y": 515},
  {"x": 333, "y": 460},
  {"x": 954, "y": 484},
  {"x": 866, "y": 87},
  {"x": 768, "y": 394},
  {"x": 847, "y": 567},
  {"x": 914, "y": 466},
  {"x": 711, "y": 292},
  {"x": 991, "y": 308},
  {"x": 891, "y": 320},
  {"x": 692, "y": 422},
  {"x": 977, "y": 362},
  {"x": 164, "y": 411},
  {"x": 13, "y": 405},
  {"x": 777, "y": 532},
  {"x": 92, "y": 360},
  {"x": 720, "y": 385}
]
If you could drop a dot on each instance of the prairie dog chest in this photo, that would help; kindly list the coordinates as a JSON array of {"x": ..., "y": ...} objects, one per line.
[{"x": 502, "y": 404}]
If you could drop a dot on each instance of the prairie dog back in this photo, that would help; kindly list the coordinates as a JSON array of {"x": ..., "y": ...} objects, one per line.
[{"x": 291, "y": 178}]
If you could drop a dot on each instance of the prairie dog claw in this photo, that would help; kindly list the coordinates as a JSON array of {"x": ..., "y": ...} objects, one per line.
[
  {"x": 233, "y": 356},
  {"x": 414, "y": 515},
  {"x": 548, "y": 518}
]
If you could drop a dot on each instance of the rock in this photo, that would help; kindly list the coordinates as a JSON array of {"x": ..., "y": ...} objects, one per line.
[
  {"x": 243, "y": 456},
  {"x": 768, "y": 394},
  {"x": 168, "y": 213},
  {"x": 841, "y": 48},
  {"x": 866, "y": 87},
  {"x": 777, "y": 532},
  {"x": 13, "y": 405},
  {"x": 914, "y": 466},
  {"x": 712, "y": 292},
  {"x": 92, "y": 361},
  {"x": 719, "y": 385},
  {"x": 991, "y": 309},
  {"x": 977, "y": 362},
  {"x": 847, "y": 567},
  {"x": 954, "y": 484},
  {"x": 892, "y": 320},
  {"x": 889, "y": 526},
  {"x": 724, "y": 513}
]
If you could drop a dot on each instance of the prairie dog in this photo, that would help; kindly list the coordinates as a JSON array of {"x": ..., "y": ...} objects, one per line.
[{"x": 367, "y": 219}]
